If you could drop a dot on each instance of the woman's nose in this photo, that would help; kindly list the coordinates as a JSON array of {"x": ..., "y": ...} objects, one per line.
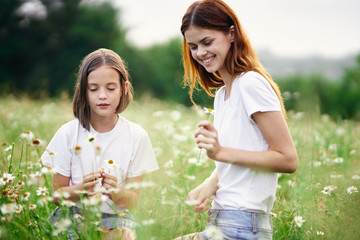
[{"x": 201, "y": 52}]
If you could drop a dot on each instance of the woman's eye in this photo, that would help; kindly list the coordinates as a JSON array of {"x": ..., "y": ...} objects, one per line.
[
  {"x": 193, "y": 48},
  {"x": 207, "y": 43},
  {"x": 93, "y": 89},
  {"x": 111, "y": 89}
]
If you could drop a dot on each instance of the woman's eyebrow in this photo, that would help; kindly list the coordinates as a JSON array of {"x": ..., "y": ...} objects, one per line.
[{"x": 201, "y": 41}]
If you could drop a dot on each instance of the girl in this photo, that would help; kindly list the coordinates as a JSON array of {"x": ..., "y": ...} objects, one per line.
[
  {"x": 100, "y": 152},
  {"x": 249, "y": 141}
]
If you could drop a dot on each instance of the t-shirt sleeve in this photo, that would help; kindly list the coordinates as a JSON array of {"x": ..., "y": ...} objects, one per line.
[
  {"x": 143, "y": 159},
  {"x": 258, "y": 95},
  {"x": 58, "y": 153}
]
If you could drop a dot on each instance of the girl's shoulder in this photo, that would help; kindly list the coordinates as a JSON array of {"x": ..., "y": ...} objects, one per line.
[
  {"x": 70, "y": 126},
  {"x": 135, "y": 128}
]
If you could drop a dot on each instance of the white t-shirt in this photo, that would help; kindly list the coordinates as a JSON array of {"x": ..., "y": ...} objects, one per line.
[
  {"x": 127, "y": 144},
  {"x": 242, "y": 188}
]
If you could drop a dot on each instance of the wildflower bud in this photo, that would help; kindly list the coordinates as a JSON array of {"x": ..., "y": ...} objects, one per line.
[
  {"x": 97, "y": 150},
  {"x": 27, "y": 135},
  {"x": 36, "y": 143},
  {"x": 77, "y": 150}
]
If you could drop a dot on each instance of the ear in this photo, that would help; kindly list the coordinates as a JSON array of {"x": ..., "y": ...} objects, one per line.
[
  {"x": 126, "y": 87},
  {"x": 232, "y": 33}
]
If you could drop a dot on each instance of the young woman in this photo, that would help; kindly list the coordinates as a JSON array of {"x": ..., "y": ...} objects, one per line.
[
  {"x": 100, "y": 152},
  {"x": 249, "y": 140}
]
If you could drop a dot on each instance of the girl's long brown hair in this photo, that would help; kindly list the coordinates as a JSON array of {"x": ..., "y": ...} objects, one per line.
[
  {"x": 91, "y": 62},
  {"x": 217, "y": 15}
]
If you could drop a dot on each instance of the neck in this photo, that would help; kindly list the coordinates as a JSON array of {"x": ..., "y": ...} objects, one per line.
[
  {"x": 226, "y": 77},
  {"x": 103, "y": 125}
]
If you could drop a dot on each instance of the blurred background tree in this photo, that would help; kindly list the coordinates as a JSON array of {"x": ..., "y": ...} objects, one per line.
[
  {"x": 40, "y": 51},
  {"x": 43, "y": 41}
]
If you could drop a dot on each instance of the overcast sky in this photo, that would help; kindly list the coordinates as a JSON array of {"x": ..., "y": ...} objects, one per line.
[{"x": 296, "y": 28}]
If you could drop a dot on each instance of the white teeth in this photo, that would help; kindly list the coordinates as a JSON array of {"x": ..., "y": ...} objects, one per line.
[{"x": 208, "y": 60}]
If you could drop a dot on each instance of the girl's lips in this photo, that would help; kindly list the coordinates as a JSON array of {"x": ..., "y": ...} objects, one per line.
[{"x": 103, "y": 105}]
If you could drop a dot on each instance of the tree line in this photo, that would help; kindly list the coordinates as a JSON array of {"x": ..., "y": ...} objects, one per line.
[{"x": 40, "y": 52}]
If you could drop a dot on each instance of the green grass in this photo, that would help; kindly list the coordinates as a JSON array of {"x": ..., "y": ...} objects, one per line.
[{"x": 329, "y": 153}]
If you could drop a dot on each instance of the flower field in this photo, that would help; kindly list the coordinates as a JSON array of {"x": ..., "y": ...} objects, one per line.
[{"x": 321, "y": 200}]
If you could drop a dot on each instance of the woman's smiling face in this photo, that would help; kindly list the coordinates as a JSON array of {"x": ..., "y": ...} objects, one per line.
[{"x": 209, "y": 47}]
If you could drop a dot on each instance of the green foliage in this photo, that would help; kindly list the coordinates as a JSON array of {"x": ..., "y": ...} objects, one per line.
[
  {"x": 339, "y": 99},
  {"x": 328, "y": 153},
  {"x": 41, "y": 56}
]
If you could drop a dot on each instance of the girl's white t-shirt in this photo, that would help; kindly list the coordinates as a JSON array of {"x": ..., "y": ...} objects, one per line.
[
  {"x": 242, "y": 188},
  {"x": 127, "y": 144}
]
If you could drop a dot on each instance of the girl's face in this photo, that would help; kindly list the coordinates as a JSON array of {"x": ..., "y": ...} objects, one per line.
[
  {"x": 103, "y": 92},
  {"x": 209, "y": 47}
]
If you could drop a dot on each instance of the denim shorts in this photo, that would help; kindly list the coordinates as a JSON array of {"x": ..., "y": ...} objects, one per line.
[
  {"x": 110, "y": 221},
  {"x": 237, "y": 224}
]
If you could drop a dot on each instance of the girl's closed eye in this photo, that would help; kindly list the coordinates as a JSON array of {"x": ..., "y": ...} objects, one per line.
[
  {"x": 111, "y": 89},
  {"x": 93, "y": 89}
]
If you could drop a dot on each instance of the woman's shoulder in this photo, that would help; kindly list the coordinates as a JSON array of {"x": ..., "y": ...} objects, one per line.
[
  {"x": 250, "y": 76},
  {"x": 250, "y": 79}
]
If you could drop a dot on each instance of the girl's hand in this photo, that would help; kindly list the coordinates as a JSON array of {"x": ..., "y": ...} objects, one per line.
[
  {"x": 90, "y": 180},
  {"x": 108, "y": 181},
  {"x": 206, "y": 137}
]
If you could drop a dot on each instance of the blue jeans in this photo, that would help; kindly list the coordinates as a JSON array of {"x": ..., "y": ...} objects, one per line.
[
  {"x": 237, "y": 224},
  {"x": 110, "y": 221}
]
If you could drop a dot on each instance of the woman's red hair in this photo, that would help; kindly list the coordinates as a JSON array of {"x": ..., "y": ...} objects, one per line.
[{"x": 217, "y": 15}]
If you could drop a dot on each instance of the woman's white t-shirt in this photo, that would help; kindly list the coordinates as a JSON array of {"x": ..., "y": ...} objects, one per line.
[
  {"x": 127, "y": 144},
  {"x": 242, "y": 188}
]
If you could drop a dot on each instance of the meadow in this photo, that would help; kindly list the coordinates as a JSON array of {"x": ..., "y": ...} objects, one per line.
[{"x": 319, "y": 201}]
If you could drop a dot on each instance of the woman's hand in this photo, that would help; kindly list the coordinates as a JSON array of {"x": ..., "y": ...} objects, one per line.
[
  {"x": 202, "y": 193},
  {"x": 202, "y": 196},
  {"x": 206, "y": 137},
  {"x": 90, "y": 180}
]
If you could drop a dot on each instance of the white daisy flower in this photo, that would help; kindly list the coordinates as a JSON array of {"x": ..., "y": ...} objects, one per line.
[
  {"x": 299, "y": 220},
  {"x": 18, "y": 208},
  {"x": 209, "y": 111},
  {"x": 9, "y": 148},
  {"x": 191, "y": 202},
  {"x": 338, "y": 160},
  {"x": 41, "y": 191},
  {"x": 8, "y": 177},
  {"x": 176, "y": 115},
  {"x": 214, "y": 233},
  {"x": 32, "y": 206},
  {"x": 67, "y": 203},
  {"x": 355, "y": 177},
  {"x": 147, "y": 222},
  {"x": 352, "y": 189}
]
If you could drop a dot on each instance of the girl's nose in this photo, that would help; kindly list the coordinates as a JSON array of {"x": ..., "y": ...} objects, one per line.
[{"x": 102, "y": 94}]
